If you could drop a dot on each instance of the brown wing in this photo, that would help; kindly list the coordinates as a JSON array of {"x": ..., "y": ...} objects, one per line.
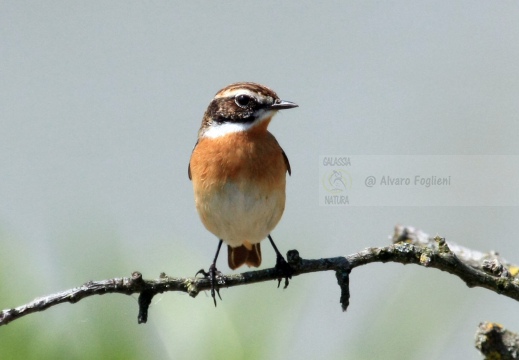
[
  {"x": 189, "y": 165},
  {"x": 287, "y": 163}
]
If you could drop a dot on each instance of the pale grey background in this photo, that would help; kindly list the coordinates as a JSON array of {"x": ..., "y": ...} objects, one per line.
[{"x": 100, "y": 103}]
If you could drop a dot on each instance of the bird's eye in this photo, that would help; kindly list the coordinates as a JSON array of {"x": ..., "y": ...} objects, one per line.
[{"x": 242, "y": 100}]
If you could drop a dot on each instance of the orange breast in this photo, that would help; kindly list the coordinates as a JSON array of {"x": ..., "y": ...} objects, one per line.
[{"x": 250, "y": 156}]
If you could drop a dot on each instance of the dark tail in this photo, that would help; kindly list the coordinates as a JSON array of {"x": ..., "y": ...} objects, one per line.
[{"x": 240, "y": 255}]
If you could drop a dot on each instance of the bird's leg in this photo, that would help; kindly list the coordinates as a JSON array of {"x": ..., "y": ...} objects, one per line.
[
  {"x": 281, "y": 265},
  {"x": 213, "y": 274}
]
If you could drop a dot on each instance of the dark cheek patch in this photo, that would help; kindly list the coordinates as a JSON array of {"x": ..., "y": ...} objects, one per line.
[{"x": 225, "y": 110}]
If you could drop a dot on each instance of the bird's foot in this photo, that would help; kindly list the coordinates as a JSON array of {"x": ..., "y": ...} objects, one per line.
[
  {"x": 284, "y": 270},
  {"x": 216, "y": 278}
]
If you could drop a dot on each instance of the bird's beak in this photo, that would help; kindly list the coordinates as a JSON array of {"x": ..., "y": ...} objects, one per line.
[{"x": 282, "y": 104}]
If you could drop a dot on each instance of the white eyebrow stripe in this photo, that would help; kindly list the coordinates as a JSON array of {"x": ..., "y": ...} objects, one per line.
[{"x": 234, "y": 92}]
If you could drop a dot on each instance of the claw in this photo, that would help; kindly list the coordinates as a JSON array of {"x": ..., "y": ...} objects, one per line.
[
  {"x": 203, "y": 272},
  {"x": 282, "y": 266},
  {"x": 213, "y": 275},
  {"x": 285, "y": 270},
  {"x": 214, "y": 297}
]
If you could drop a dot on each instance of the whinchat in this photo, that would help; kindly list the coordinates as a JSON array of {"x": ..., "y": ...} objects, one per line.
[{"x": 239, "y": 172}]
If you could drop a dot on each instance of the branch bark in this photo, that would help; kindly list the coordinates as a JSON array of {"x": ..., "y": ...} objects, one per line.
[{"x": 410, "y": 246}]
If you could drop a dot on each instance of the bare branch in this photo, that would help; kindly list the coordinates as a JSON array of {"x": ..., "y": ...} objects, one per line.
[{"x": 410, "y": 246}]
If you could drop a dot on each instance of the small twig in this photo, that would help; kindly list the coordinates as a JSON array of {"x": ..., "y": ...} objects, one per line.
[
  {"x": 411, "y": 247},
  {"x": 495, "y": 342}
]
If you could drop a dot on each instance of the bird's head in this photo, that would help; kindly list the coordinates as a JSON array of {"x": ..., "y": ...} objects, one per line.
[{"x": 241, "y": 107}]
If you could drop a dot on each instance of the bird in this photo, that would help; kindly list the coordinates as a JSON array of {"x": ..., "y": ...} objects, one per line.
[{"x": 238, "y": 171}]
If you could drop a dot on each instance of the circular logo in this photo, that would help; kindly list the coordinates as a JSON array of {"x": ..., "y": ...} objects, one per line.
[{"x": 336, "y": 181}]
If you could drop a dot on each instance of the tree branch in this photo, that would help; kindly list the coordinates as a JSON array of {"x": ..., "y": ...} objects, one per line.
[{"x": 411, "y": 246}]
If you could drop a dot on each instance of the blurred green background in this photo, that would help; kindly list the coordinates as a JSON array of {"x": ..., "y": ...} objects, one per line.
[{"x": 100, "y": 105}]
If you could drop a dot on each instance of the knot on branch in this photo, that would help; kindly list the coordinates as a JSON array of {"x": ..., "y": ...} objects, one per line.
[
  {"x": 191, "y": 287},
  {"x": 293, "y": 259},
  {"x": 442, "y": 245},
  {"x": 136, "y": 279},
  {"x": 494, "y": 267}
]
